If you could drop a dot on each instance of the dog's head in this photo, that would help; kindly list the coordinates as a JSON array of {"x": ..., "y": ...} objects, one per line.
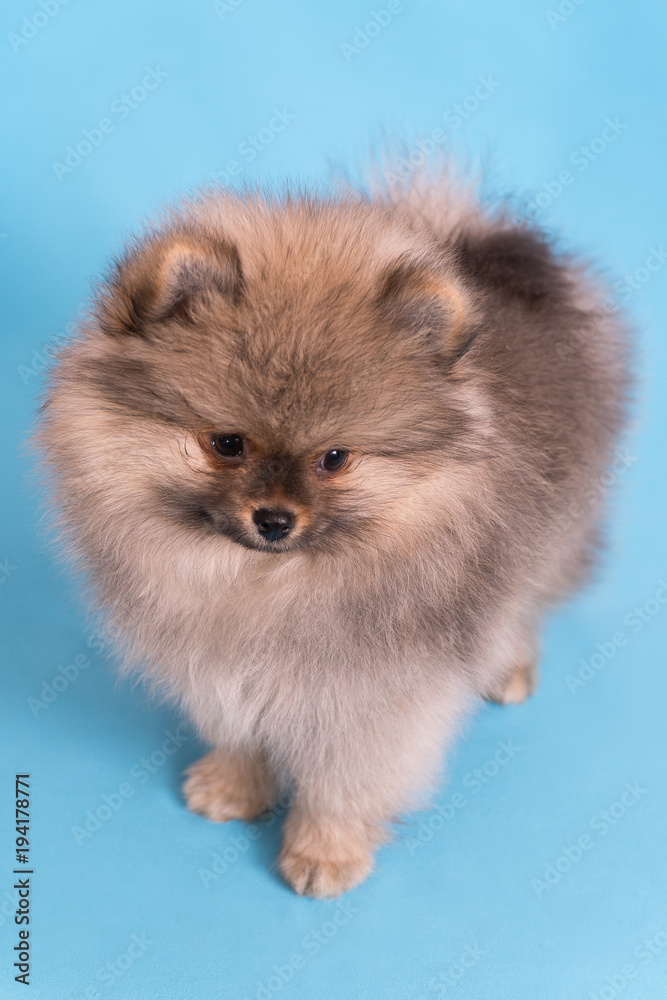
[{"x": 283, "y": 375}]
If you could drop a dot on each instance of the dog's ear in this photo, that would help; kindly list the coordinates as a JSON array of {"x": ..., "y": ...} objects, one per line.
[
  {"x": 519, "y": 263},
  {"x": 167, "y": 278},
  {"x": 430, "y": 304}
]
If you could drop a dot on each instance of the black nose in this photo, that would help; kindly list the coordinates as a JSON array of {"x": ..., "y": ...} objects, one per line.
[{"x": 273, "y": 524}]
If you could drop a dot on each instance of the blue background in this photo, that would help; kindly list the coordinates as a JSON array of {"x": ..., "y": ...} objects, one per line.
[{"x": 452, "y": 909}]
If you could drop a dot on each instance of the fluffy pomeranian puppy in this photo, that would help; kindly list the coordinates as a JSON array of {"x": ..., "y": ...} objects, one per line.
[{"x": 326, "y": 461}]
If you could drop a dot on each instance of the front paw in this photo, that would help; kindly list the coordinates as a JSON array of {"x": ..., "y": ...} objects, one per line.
[
  {"x": 323, "y": 858},
  {"x": 224, "y": 786},
  {"x": 517, "y": 685}
]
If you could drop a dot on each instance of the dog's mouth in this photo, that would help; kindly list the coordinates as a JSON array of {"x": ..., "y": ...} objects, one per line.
[
  {"x": 217, "y": 519},
  {"x": 252, "y": 540},
  {"x": 264, "y": 545}
]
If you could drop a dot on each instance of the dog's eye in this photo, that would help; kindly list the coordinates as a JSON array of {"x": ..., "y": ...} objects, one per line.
[
  {"x": 228, "y": 445},
  {"x": 333, "y": 460}
]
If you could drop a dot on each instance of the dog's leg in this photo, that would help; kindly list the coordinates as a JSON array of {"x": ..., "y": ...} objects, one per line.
[
  {"x": 223, "y": 786},
  {"x": 356, "y": 772},
  {"x": 323, "y": 855},
  {"x": 517, "y": 685}
]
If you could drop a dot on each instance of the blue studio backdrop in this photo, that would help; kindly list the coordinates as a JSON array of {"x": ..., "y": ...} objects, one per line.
[{"x": 540, "y": 871}]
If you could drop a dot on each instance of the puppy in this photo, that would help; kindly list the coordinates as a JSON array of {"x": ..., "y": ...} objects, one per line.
[{"x": 326, "y": 462}]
